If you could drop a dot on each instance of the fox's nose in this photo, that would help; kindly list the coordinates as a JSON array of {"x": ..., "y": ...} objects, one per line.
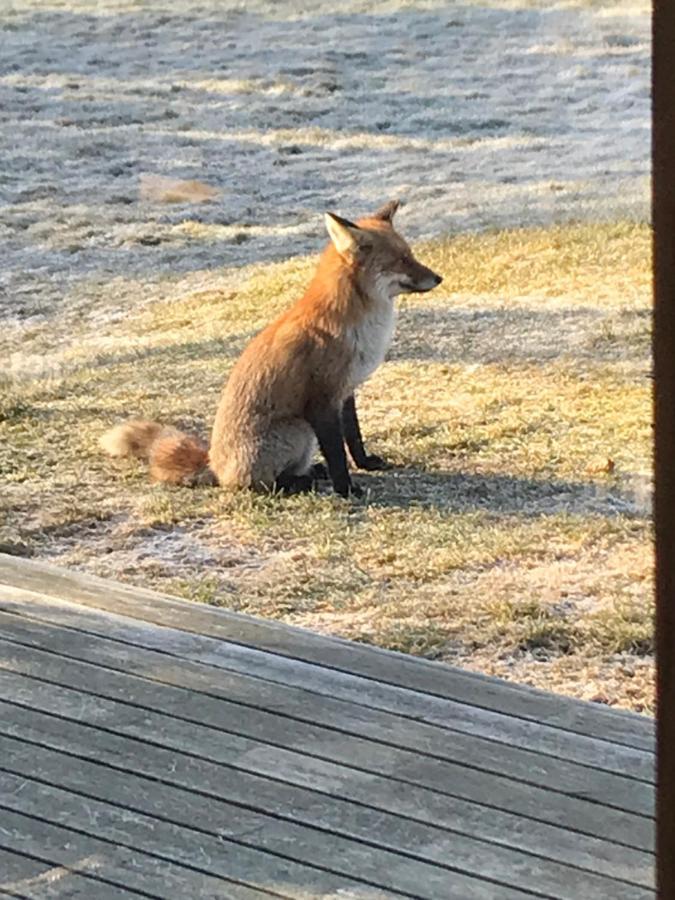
[{"x": 437, "y": 279}]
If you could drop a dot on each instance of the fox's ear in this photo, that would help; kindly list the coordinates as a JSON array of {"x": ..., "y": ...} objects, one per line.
[
  {"x": 386, "y": 213},
  {"x": 345, "y": 235}
]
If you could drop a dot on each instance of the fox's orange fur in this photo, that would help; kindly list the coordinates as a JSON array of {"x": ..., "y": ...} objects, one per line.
[
  {"x": 178, "y": 458},
  {"x": 291, "y": 383},
  {"x": 132, "y": 438}
]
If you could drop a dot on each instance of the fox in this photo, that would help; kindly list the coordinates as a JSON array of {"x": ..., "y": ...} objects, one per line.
[{"x": 292, "y": 390}]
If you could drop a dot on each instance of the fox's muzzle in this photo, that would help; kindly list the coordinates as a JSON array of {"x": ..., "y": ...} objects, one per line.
[{"x": 423, "y": 280}]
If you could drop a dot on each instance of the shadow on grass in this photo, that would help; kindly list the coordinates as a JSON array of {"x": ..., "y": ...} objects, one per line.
[{"x": 455, "y": 492}]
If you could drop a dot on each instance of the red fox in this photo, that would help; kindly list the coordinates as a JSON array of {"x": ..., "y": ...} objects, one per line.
[{"x": 292, "y": 388}]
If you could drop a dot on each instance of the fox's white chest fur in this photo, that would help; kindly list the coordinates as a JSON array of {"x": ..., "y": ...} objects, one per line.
[{"x": 372, "y": 337}]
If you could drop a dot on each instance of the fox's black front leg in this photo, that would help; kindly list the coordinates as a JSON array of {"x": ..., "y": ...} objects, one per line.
[
  {"x": 328, "y": 429},
  {"x": 352, "y": 432}
]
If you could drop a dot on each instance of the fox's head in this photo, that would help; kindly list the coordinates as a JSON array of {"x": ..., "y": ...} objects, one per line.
[{"x": 385, "y": 261}]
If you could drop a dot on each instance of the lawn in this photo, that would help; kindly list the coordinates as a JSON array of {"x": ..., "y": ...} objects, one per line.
[{"x": 513, "y": 535}]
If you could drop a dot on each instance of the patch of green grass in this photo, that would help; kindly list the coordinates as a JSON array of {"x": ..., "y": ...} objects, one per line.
[
  {"x": 12, "y": 406},
  {"x": 512, "y": 535},
  {"x": 623, "y": 626},
  {"x": 206, "y": 589},
  {"x": 532, "y": 625},
  {"x": 428, "y": 640}
]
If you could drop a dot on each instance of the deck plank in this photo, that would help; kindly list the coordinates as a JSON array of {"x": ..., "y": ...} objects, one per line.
[
  {"x": 108, "y": 869},
  {"x": 195, "y": 862},
  {"x": 491, "y": 738},
  {"x": 506, "y": 755},
  {"x": 355, "y": 863},
  {"x": 308, "y": 810},
  {"x": 28, "y": 878},
  {"x": 378, "y": 793},
  {"x": 205, "y": 699},
  {"x": 158, "y": 748},
  {"x": 426, "y": 677}
]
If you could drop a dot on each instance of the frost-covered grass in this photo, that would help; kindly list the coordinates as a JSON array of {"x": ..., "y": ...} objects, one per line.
[
  {"x": 481, "y": 115},
  {"x": 513, "y": 534}
]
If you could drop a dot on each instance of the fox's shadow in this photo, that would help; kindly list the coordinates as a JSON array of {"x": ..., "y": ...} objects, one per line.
[{"x": 461, "y": 492}]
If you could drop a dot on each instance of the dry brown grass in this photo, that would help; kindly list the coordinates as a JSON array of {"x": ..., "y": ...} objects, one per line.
[{"x": 513, "y": 536}]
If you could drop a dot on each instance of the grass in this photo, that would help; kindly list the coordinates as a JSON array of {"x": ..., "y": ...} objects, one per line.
[{"x": 512, "y": 537}]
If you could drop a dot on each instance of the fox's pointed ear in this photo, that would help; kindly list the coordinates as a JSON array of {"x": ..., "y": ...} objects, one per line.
[
  {"x": 386, "y": 213},
  {"x": 345, "y": 235}
]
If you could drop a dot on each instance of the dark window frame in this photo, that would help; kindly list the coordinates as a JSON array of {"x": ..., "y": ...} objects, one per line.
[{"x": 663, "y": 219}]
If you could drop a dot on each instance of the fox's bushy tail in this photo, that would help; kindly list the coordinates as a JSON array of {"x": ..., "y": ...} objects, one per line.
[{"x": 174, "y": 457}]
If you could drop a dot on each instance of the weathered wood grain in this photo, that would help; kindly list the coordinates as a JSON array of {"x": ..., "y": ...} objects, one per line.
[
  {"x": 108, "y": 870},
  {"x": 24, "y": 877},
  {"x": 215, "y": 709},
  {"x": 304, "y": 807},
  {"x": 415, "y": 674},
  {"x": 193, "y": 752},
  {"x": 506, "y": 755},
  {"x": 489, "y": 738},
  {"x": 242, "y": 826},
  {"x": 333, "y": 780},
  {"x": 195, "y": 862}
]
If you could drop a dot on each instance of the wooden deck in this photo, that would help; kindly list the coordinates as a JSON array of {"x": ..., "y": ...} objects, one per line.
[{"x": 151, "y": 747}]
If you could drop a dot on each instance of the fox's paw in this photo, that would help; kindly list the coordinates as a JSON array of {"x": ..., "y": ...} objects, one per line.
[
  {"x": 349, "y": 489},
  {"x": 296, "y": 484},
  {"x": 319, "y": 472},
  {"x": 373, "y": 463}
]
